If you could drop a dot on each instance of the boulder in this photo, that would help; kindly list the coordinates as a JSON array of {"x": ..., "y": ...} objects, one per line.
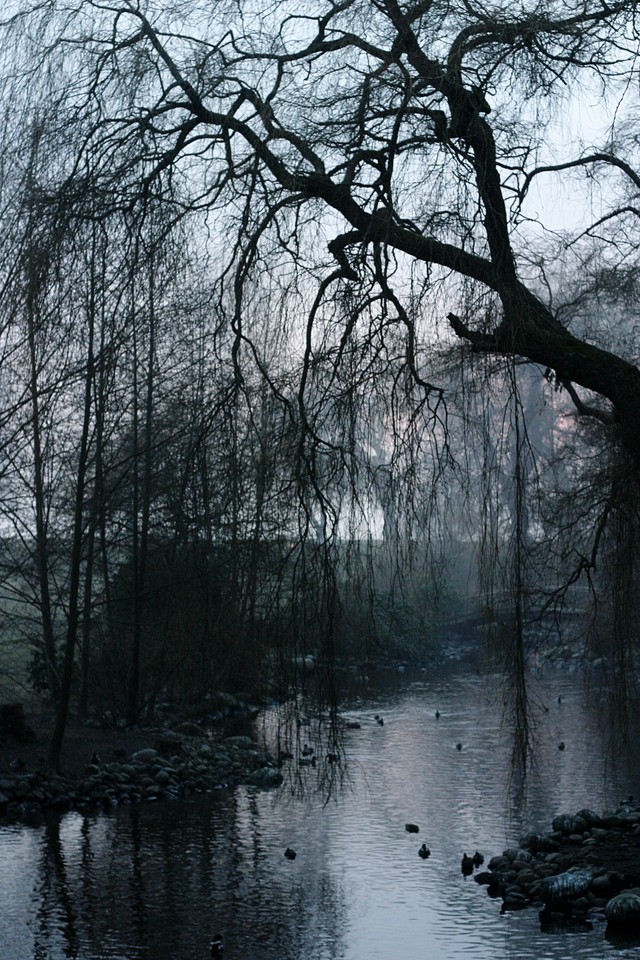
[
  {"x": 566, "y": 885},
  {"x": 589, "y": 816},
  {"x": 568, "y": 823},
  {"x": 539, "y": 843},
  {"x": 623, "y": 911}
]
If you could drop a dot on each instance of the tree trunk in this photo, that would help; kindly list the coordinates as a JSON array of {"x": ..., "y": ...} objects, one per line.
[
  {"x": 75, "y": 561},
  {"x": 41, "y": 544}
]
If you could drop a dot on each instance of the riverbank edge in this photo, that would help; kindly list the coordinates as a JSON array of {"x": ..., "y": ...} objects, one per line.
[{"x": 105, "y": 768}]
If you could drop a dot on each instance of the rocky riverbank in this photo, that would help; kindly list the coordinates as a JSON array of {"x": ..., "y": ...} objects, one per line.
[
  {"x": 585, "y": 871},
  {"x": 104, "y": 769}
]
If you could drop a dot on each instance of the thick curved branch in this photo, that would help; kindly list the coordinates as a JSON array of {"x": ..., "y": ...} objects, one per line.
[
  {"x": 574, "y": 361},
  {"x": 585, "y": 409}
]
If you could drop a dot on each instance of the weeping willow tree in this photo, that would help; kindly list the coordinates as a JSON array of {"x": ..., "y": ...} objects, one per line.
[{"x": 365, "y": 175}]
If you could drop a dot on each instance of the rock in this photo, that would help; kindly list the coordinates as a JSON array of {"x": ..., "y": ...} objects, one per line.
[
  {"x": 547, "y": 870},
  {"x": 148, "y": 755},
  {"x": 412, "y": 828},
  {"x": 22, "y": 789},
  {"x": 169, "y": 745},
  {"x": 511, "y": 853},
  {"x": 266, "y": 777},
  {"x": 539, "y": 843},
  {"x": 520, "y": 866},
  {"x": 613, "y": 821},
  {"x": 623, "y": 911},
  {"x": 163, "y": 777},
  {"x": 190, "y": 729},
  {"x": 241, "y": 743},
  {"x": 565, "y": 885},
  {"x": 601, "y": 883},
  {"x": 589, "y": 816},
  {"x": 3, "y": 799},
  {"x": 534, "y": 889},
  {"x": 514, "y": 900},
  {"x": 596, "y": 913},
  {"x": 567, "y": 823}
]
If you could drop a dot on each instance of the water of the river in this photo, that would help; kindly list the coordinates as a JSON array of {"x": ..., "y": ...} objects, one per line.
[{"x": 159, "y": 881}]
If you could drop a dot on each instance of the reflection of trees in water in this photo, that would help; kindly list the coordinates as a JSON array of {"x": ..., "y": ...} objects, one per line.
[
  {"x": 57, "y": 913},
  {"x": 161, "y": 881}
]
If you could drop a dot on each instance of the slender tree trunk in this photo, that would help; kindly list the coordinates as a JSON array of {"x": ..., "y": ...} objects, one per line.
[
  {"x": 75, "y": 561},
  {"x": 41, "y": 544},
  {"x": 92, "y": 377},
  {"x": 141, "y": 538},
  {"x": 85, "y": 649}
]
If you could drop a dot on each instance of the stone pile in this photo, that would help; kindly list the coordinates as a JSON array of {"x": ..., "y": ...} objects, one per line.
[
  {"x": 180, "y": 764},
  {"x": 585, "y": 869}
]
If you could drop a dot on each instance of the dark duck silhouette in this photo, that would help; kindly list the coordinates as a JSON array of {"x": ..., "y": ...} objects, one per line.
[
  {"x": 217, "y": 948},
  {"x": 477, "y": 859},
  {"x": 466, "y": 865},
  {"x": 424, "y": 851},
  {"x": 290, "y": 854}
]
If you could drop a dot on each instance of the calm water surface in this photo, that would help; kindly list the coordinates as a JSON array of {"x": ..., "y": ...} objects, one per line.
[{"x": 157, "y": 882}]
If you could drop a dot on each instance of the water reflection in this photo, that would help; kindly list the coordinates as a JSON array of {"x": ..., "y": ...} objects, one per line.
[{"x": 160, "y": 881}]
